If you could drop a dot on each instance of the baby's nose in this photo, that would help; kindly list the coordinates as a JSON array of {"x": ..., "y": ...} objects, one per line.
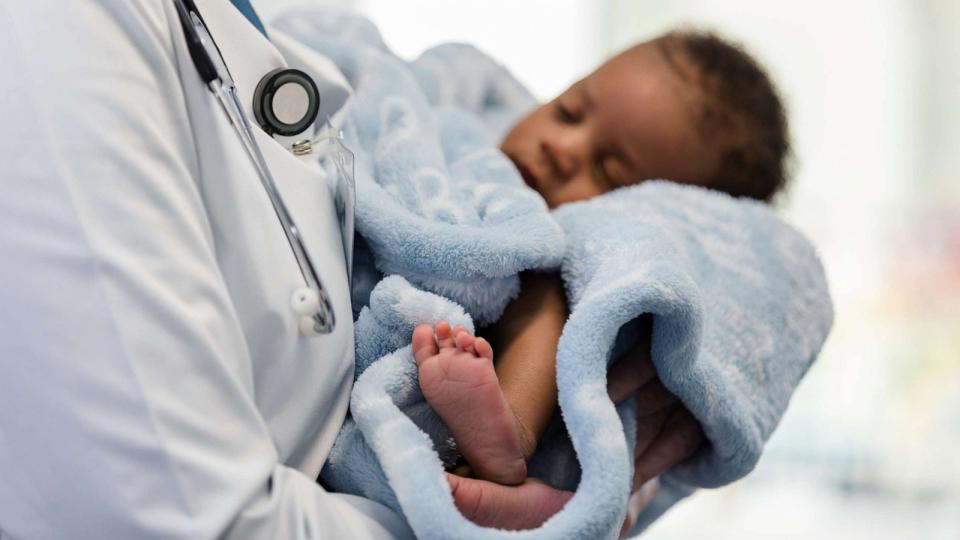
[{"x": 563, "y": 154}]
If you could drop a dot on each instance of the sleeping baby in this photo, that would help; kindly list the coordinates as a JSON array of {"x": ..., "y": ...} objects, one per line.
[{"x": 688, "y": 107}]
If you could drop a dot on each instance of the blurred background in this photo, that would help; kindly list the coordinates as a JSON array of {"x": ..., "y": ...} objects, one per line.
[{"x": 870, "y": 446}]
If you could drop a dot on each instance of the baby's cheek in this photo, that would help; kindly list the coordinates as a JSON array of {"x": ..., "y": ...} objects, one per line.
[{"x": 521, "y": 132}]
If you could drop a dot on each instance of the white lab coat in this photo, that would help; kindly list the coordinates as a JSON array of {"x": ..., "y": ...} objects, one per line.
[{"x": 153, "y": 383}]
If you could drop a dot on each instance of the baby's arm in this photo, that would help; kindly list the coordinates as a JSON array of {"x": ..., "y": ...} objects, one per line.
[{"x": 525, "y": 339}]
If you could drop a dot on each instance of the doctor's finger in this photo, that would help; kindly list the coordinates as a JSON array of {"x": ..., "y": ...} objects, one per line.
[
  {"x": 653, "y": 397},
  {"x": 638, "y": 501},
  {"x": 650, "y": 425},
  {"x": 680, "y": 438},
  {"x": 633, "y": 370}
]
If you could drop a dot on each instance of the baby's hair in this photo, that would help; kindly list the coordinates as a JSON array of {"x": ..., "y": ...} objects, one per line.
[{"x": 741, "y": 111}]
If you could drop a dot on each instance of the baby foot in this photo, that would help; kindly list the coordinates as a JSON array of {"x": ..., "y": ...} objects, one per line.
[{"x": 458, "y": 380}]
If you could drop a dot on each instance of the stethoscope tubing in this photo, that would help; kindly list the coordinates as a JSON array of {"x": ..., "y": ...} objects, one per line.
[
  {"x": 324, "y": 318},
  {"x": 315, "y": 302}
]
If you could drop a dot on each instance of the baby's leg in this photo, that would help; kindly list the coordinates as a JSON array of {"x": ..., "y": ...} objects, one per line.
[{"x": 458, "y": 380}]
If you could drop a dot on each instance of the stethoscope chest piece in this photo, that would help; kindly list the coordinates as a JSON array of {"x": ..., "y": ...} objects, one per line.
[{"x": 286, "y": 102}]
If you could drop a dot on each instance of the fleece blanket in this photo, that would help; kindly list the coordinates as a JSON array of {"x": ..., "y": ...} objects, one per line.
[
  {"x": 739, "y": 301},
  {"x": 437, "y": 202}
]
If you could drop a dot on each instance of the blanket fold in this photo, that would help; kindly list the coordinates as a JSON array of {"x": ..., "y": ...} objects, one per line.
[{"x": 739, "y": 301}]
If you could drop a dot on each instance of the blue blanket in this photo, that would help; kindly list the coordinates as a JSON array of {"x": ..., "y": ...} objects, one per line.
[
  {"x": 739, "y": 300},
  {"x": 436, "y": 201}
]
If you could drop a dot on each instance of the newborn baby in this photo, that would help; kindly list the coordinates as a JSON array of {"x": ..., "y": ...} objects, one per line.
[{"x": 688, "y": 107}]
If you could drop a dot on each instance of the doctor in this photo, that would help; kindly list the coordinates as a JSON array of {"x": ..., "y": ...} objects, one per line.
[
  {"x": 154, "y": 379},
  {"x": 157, "y": 377}
]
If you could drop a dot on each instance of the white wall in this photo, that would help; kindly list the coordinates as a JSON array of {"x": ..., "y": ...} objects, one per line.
[{"x": 545, "y": 43}]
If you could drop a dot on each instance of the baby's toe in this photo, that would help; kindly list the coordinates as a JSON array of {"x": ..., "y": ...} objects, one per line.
[
  {"x": 483, "y": 348},
  {"x": 424, "y": 343},
  {"x": 465, "y": 341},
  {"x": 445, "y": 338}
]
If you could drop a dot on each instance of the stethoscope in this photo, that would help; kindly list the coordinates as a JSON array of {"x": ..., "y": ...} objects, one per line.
[{"x": 311, "y": 303}]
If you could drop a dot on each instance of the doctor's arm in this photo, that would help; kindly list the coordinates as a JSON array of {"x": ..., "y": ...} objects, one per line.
[{"x": 126, "y": 389}]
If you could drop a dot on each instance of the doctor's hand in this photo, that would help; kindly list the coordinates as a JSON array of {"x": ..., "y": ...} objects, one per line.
[{"x": 667, "y": 433}]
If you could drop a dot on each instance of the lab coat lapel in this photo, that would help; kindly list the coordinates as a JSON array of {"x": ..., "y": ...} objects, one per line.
[{"x": 257, "y": 263}]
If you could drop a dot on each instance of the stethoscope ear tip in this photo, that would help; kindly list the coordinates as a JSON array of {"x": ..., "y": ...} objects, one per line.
[{"x": 305, "y": 302}]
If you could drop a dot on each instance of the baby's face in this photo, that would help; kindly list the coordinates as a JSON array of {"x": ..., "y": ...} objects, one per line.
[{"x": 632, "y": 119}]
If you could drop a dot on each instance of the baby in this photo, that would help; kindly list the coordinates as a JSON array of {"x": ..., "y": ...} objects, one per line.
[{"x": 686, "y": 106}]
